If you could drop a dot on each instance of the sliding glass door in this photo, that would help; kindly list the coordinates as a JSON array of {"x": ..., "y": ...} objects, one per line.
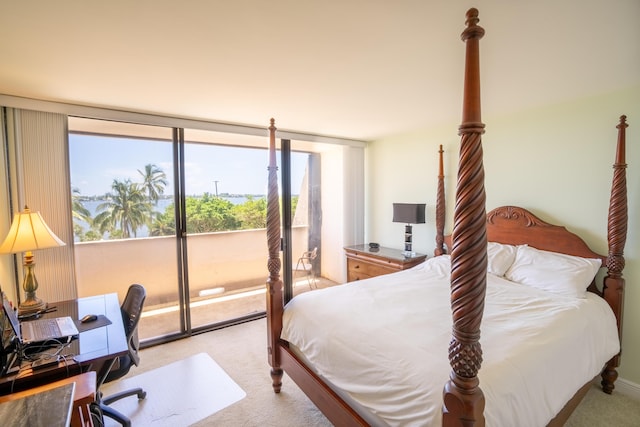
[
  {"x": 123, "y": 190},
  {"x": 225, "y": 189},
  {"x": 183, "y": 212}
]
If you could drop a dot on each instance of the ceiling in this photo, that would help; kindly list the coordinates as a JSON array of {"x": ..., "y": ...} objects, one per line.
[{"x": 357, "y": 69}]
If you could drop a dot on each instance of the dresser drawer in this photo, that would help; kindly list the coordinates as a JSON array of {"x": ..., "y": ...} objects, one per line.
[
  {"x": 363, "y": 263},
  {"x": 359, "y": 269}
]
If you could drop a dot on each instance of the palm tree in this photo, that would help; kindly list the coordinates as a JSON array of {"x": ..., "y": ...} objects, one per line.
[
  {"x": 125, "y": 210},
  {"x": 154, "y": 181},
  {"x": 79, "y": 212}
]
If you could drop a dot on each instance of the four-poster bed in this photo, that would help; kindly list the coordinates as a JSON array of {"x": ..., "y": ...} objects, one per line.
[{"x": 382, "y": 376}]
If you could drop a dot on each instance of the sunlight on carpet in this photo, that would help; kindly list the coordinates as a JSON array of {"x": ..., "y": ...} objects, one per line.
[{"x": 178, "y": 394}]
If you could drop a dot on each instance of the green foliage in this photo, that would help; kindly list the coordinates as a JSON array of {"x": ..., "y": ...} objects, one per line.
[
  {"x": 210, "y": 213},
  {"x": 294, "y": 204},
  {"x": 252, "y": 213},
  {"x": 164, "y": 224},
  {"x": 130, "y": 206}
]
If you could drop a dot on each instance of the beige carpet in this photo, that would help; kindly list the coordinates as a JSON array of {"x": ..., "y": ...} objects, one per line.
[{"x": 241, "y": 351}]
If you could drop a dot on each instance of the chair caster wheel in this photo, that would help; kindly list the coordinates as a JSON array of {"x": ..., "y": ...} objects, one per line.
[{"x": 142, "y": 395}]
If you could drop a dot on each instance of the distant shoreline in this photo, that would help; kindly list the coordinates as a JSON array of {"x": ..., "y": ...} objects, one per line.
[{"x": 83, "y": 198}]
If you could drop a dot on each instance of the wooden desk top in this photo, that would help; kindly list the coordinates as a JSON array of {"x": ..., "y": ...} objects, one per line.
[
  {"x": 100, "y": 343},
  {"x": 88, "y": 352}
]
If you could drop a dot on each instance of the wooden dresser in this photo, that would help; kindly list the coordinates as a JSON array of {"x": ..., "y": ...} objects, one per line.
[{"x": 363, "y": 263}]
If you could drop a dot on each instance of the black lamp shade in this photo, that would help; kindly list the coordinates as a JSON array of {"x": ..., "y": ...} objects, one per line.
[{"x": 409, "y": 213}]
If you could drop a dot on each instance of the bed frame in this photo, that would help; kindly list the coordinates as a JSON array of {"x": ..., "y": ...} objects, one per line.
[{"x": 462, "y": 396}]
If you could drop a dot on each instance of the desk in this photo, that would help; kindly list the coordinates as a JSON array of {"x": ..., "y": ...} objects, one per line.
[{"x": 88, "y": 352}]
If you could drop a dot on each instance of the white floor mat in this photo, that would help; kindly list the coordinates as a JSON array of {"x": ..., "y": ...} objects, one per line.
[{"x": 178, "y": 394}]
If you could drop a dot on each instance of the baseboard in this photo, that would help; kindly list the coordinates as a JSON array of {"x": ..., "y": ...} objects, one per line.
[{"x": 627, "y": 388}]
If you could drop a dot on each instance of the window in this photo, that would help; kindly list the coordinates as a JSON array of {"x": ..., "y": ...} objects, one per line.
[{"x": 132, "y": 187}]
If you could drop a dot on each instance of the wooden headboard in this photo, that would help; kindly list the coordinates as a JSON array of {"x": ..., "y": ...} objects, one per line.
[{"x": 514, "y": 225}]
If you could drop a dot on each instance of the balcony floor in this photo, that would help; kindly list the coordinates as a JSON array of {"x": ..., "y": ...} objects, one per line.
[{"x": 164, "y": 319}]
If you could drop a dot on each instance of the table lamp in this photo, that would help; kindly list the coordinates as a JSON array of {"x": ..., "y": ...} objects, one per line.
[
  {"x": 409, "y": 213},
  {"x": 28, "y": 233}
]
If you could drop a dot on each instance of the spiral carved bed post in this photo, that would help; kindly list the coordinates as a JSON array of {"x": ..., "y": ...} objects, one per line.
[
  {"x": 275, "y": 305},
  {"x": 440, "y": 207},
  {"x": 463, "y": 400},
  {"x": 616, "y": 236}
]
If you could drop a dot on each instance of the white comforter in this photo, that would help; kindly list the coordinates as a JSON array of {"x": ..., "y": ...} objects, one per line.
[{"x": 384, "y": 342}]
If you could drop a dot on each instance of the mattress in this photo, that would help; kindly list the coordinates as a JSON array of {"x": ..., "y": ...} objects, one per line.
[{"x": 383, "y": 343}]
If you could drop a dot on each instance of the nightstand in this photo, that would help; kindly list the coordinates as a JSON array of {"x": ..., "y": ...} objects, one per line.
[{"x": 363, "y": 262}]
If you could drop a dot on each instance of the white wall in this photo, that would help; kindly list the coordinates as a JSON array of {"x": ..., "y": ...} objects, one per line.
[
  {"x": 226, "y": 259},
  {"x": 555, "y": 161},
  {"x": 342, "y": 211}
]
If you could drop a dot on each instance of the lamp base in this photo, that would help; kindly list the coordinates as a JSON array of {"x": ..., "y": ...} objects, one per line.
[
  {"x": 31, "y": 305},
  {"x": 408, "y": 254}
]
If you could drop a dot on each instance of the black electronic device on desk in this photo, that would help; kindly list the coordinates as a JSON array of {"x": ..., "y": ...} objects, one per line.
[
  {"x": 97, "y": 342},
  {"x": 89, "y": 318},
  {"x": 374, "y": 247},
  {"x": 37, "y": 314},
  {"x": 36, "y": 344},
  {"x": 39, "y": 330}
]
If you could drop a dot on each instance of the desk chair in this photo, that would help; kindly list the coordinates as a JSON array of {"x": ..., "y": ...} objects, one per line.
[
  {"x": 131, "y": 310},
  {"x": 305, "y": 263}
]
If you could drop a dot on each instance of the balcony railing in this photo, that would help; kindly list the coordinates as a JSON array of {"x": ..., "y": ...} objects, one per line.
[
  {"x": 222, "y": 268},
  {"x": 229, "y": 260}
]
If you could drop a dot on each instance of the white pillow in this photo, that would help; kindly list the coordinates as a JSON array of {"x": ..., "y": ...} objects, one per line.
[
  {"x": 554, "y": 272},
  {"x": 499, "y": 257}
]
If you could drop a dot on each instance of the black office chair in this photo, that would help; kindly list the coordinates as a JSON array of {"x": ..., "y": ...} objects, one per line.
[{"x": 131, "y": 310}]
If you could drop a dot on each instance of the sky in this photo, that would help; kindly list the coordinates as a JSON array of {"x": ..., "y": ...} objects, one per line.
[{"x": 96, "y": 161}]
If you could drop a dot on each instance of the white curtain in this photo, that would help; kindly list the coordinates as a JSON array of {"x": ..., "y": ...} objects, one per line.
[
  {"x": 7, "y": 267},
  {"x": 38, "y": 165}
]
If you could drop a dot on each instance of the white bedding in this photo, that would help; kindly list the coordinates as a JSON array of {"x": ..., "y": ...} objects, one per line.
[{"x": 384, "y": 342}]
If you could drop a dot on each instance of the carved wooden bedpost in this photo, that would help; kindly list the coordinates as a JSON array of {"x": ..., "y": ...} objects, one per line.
[
  {"x": 463, "y": 400},
  {"x": 440, "y": 207},
  {"x": 613, "y": 288},
  {"x": 275, "y": 304}
]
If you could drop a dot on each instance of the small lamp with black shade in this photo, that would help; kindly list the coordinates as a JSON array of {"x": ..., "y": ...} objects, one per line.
[
  {"x": 409, "y": 213},
  {"x": 28, "y": 233}
]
